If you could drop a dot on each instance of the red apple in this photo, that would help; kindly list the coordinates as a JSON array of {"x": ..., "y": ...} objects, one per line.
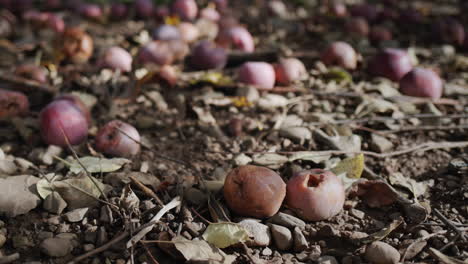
[
  {"x": 236, "y": 37},
  {"x": 185, "y": 9},
  {"x": 12, "y": 104},
  {"x": 116, "y": 58},
  {"x": 206, "y": 55},
  {"x": 289, "y": 70},
  {"x": 61, "y": 120},
  {"x": 341, "y": 54},
  {"x": 422, "y": 83},
  {"x": 118, "y": 138},
  {"x": 315, "y": 195},
  {"x": 390, "y": 63},
  {"x": 254, "y": 191},
  {"x": 358, "y": 26},
  {"x": 259, "y": 74}
]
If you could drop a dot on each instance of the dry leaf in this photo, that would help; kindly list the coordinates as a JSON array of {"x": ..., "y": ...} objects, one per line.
[
  {"x": 96, "y": 165},
  {"x": 200, "y": 250},
  {"x": 444, "y": 258},
  {"x": 17, "y": 195},
  {"x": 376, "y": 193},
  {"x": 79, "y": 192},
  {"x": 382, "y": 233},
  {"x": 223, "y": 235}
]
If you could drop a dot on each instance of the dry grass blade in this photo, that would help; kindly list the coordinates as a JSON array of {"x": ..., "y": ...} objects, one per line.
[
  {"x": 172, "y": 204},
  {"x": 81, "y": 164}
]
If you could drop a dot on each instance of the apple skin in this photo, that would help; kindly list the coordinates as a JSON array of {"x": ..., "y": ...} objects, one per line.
[
  {"x": 421, "y": 82},
  {"x": 116, "y": 58},
  {"x": 63, "y": 117},
  {"x": 390, "y": 63},
  {"x": 289, "y": 70},
  {"x": 341, "y": 54},
  {"x": 237, "y": 38},
  {"x": 315, "y": 195},
  {"x": 256, "y": 73},
  {"x": 185, "y": 9},
  {"x": 112, "y": 141},
  {"x": 12, "y": 104},
  {"x": 254, "y": 191},
  {"x": 206, "y": 55}
]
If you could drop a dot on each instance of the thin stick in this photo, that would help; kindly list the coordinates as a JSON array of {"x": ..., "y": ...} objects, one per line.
[
  {"x": 148, "y": 254},
  {"x": 423, "y": 128},
  {"x": 81, "y": 164},
  {"x": 450, "y": 224},
  {"x": 104, "y": 247},
  {"x": 26, "y": 85},
  {"x": 424, "y": 238},
  {"x": 146, "y": 190},
  {"x": 422, "y": 148},
  {"x": 172, "y": 204}
]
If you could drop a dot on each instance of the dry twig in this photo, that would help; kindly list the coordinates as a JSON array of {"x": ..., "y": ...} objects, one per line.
[{"x": 146, "y": 190}]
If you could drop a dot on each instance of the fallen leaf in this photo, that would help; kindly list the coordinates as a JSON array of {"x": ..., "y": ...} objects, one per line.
[
  {"x": 383, "y": 233},
  {"x": 129, "y": 200},
  {"x": 314, "y": 156},
  {"x": 376, "y": 193},
  {"x": 200, "y": 250},
  {"x": 338, "y": 75},
  {"x": 444, "y": 258},
  {"x": 269, "y": 159},
  {"x": 44, "y": 186},
  {"x": 79, "y": 192},
  {"x": 352, "y": 167},
  {"x": 96, "y": 165},
  {"x": 417, "y": 189},
  {"x": 351, "y": 143},
  {"x": 372, "y": 105},
  {"x": 18, "y": 195},
  {"x": 223, "y": 235},
  {"x": 216, "y": 78}
]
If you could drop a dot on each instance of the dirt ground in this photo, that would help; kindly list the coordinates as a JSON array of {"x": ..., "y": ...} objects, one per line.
[{"x": 195, "y": 132}]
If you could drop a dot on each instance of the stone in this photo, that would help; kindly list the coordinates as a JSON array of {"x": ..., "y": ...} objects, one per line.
[
  {"x": 381, "y": 253},
  {"x": 282, "y": 237},
  {"x": 315, "y": 252},
  {"x": 88, "y": 247},
  {"x": 54, "y": 203},
  {"x": 250, "y": 93},
  {"x": 328, "y": 231},
  {"x": 300, "y": 242},
  {"x": 44, "y": 235},
  {"x": 327, "y": 260},
  {"x": 296, "y": 134},
  {"x": 380, "y": 144},
  {"x": 287, "y": 220},
  {"x": 267, "y": 251},
  {"x": 242, "y": 159},
  {"x": 51, "y": 152},
  {"x": 357, "y": 213},
  {"x": 259, "y": 232},
  {"x": 56, "y": 247},
  {"x": 76, "y": 215},
  {"x": 101, "y": 236}
]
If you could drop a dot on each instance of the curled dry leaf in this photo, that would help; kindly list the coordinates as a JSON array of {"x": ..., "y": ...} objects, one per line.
[
  {"x": 96, "y": 165},
  {"x": 223, "y": 235},
  {"x": 376, "y": 193},
  {"x": 383, "y": 233},
  {"x": 80, "y": 192},
  {"x": 200, "y": 250}
]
